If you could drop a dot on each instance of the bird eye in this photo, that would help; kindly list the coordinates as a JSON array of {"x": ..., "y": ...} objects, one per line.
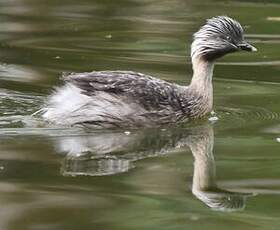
[{"x": 228, "y": 38}]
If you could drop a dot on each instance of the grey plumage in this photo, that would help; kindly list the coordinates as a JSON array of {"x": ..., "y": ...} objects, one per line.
[
  {"x": 219, "y": 36},
  {"x": 108, "y": 99},
  {"x": 163, "y": 102}
]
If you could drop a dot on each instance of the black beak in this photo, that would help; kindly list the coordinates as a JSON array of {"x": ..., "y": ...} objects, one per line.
[{"x": 247, "y": 47}]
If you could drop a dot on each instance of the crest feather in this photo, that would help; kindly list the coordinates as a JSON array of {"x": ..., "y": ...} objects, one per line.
[{"x": 217, "y": 37}]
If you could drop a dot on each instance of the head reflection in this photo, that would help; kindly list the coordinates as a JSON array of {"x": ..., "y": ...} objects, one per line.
[{"x": 116, "y": 152}]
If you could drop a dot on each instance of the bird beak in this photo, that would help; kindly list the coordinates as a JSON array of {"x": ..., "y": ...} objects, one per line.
[{"x": 247, "y": 47}]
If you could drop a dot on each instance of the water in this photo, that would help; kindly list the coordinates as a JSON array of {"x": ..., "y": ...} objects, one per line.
[{"x": 220, "y": 174}]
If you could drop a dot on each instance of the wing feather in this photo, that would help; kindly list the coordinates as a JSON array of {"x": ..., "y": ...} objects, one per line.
[{"x": 150, "y": 92}]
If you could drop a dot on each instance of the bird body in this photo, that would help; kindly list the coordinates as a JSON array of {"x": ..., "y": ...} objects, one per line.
[
  {"x": 115, "y": 99},
  {"x": 122, "y": 98}
]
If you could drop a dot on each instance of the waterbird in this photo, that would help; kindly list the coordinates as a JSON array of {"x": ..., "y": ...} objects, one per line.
[{"x": 118, "y": 99}]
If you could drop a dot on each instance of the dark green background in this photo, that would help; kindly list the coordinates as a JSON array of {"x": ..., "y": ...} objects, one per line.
[{"x": 41, "y": 39}]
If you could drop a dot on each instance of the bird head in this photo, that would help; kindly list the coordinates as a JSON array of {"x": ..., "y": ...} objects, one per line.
[{"x": 219, "y": 36}]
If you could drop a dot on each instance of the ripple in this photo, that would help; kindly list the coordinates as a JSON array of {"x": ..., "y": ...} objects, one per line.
[
  {"x": 273, "y": 19},
  {"x": 247, "y": 114},
  {"x": 38, "y": 131},
  {"x": 257, "y": 63},
  {"x": 265, "y": 36},
  {"x": 17, "y": 73},
  {"x": 15, "y": 106},
  {"x": 108, "y": 165}
]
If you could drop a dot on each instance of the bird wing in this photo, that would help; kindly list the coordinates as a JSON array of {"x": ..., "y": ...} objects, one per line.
[{"x": 150, "y": 92}]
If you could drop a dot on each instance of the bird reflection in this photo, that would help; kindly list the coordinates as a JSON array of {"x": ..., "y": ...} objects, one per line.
[
  {"x": 204, "y": 185},
  {"x": 116, "y": 152}
]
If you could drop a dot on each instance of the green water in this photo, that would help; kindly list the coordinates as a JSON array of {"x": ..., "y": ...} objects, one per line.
[{"x": 220, "y": 174}]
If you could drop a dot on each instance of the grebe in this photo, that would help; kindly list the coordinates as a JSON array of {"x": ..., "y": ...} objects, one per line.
[{"x": 114, "y": 99}]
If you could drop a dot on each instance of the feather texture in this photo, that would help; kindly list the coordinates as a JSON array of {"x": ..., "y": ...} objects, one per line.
[
  {"x": 219, "y": 36},
  {"x": 109, "y": 99},
  {"x": 120, "y": 98}
]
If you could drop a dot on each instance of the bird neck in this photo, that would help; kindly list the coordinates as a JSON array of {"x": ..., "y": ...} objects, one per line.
[
  {"x": 204, "y": 176},
  {"x": 202, "y": 76}
]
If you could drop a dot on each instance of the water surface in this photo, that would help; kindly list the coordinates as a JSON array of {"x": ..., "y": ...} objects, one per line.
[{"x": 220, "y": 174}]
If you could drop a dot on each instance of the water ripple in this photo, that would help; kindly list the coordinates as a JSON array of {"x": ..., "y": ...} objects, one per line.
[
  {"x": 257, "y": 63},
  {"x": 14, "y": 106},
  {"x": 247, "y": 114}
]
